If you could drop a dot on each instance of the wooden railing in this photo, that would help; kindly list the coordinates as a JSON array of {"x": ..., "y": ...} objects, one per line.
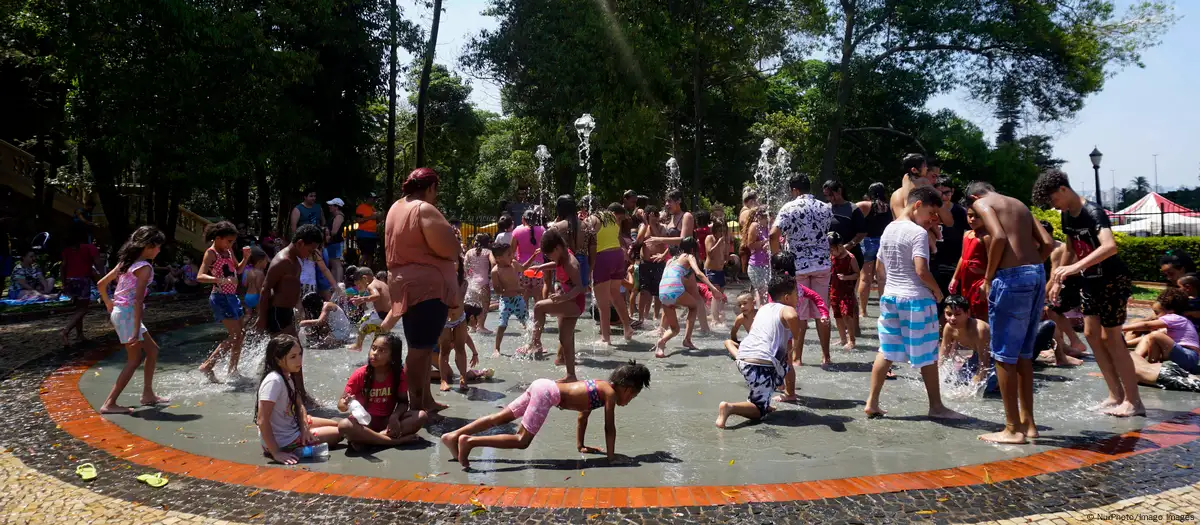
[{"x": 18, "y": 170}]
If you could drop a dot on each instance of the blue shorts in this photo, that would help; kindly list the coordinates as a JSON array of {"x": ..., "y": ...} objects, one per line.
[
  {"x": 513, "y": 306},
  {"x": 717, "y": 277},
  {"x": 334, "y": 250},
  {"x": 225, "y": 306},
  {"x": 762, "y": 381},
  {"x": 908, "y": 330},
  {"x": 251, "y": 300},
  {"x": 870, "y": 248},
  {"x": 585, "y": 273},
  {"x": 1015, "y": 310},
  {"x": 1186, "y": 358}
]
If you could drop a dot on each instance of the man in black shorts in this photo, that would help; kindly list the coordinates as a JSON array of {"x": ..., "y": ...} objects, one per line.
[
  {"x": 1107, "y": 285},
  {"x": 281, "y": 290}
]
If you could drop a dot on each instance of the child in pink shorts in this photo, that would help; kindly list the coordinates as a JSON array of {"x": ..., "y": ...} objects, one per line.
[{"x": 534, "y": 405}]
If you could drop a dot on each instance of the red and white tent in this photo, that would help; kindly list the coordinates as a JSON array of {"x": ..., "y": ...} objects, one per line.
[{"x": 1153, "y": 204}]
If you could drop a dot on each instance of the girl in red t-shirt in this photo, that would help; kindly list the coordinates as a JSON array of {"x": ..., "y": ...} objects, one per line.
[{"x": 382, "y": 389}]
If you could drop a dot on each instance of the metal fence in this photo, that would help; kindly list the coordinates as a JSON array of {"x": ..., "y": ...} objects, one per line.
[{"x": 1175, "y": 224}]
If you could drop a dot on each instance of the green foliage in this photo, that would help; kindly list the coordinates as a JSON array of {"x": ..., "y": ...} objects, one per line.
[
  {"x": 1141, "y": 254},
  {"x": 1054, "y": 217}
]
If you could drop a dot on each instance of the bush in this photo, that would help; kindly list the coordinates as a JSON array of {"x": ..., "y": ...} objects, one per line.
[{"x": 1141, "y": 254}]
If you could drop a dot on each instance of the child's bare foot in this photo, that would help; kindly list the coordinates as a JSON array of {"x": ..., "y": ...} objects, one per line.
[
  {"x": 567, "y": 379},
  {"x": 496, "y": 353},
  {"x": 891, "y": 374},
  {"x": 826, "y": 363},
  {"x": 842, "y": 342},
  {"x": 1006, "y": 437},
  {"x": 155, "y": 400},
  {"x": 785, "y": 399},
  {"x": 722, "y": 414},
  {"x": 208, "y": 373},
  {"x": 1068, "y": 361},
  {"x": 660, "y": 351},
  {"x": 114, "y": 409},
  {"x": 445, "y": 386},
  {"x": 874, "y": 412},
  {"x": 797, "y": 364},
  {"x": 66, "y": 337},
  {"x": 1126, "y": 409},
  {"x": 450, "y": 439},
  {"x": 687, "y": 343},
  {"x": 558, "y": 360},
  {"x": 849, "y": 345},
  {"x": 1104, "y": 405},
  {"x": 485, "y": 331},
  {"x": 464, "y": 450},
  {"x": 1076, "y": 350},
  {"x": 1031, "y": 431},
  {"x": 462, "y": 385},
  {"x": 945, "y": 413}
]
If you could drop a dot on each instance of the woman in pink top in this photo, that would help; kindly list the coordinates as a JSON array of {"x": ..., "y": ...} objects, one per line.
[
  {"x": 527, "y": 239},
  {"x": 422, "y": 255},
  {"x": 133, "y": 274}
]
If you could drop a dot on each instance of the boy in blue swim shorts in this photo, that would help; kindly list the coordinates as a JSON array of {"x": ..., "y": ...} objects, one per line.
[
  {"x": 908, "y": 317},
  {"x": 508, "y": 287},
  {"x": 1015, "y": 285}
]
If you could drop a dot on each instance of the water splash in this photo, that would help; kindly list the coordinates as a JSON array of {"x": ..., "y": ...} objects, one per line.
[
  {"x": 673, "y": 179},
  {"x": 543, "y": 177},
  {"x": 767, "y": 176},
  {"x": 583, "y": 128}
]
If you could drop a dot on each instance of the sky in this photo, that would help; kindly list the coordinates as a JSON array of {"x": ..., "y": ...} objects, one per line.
[{"x": 1139, "y": 113}]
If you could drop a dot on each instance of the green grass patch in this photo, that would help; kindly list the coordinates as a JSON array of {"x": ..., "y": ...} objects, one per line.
[{"x": 1145, "y": 294}]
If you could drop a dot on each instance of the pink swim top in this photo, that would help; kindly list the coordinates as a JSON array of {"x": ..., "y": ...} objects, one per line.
[
  {"x": 808, "y": 293},
  {"x": 127, "y": 285}
]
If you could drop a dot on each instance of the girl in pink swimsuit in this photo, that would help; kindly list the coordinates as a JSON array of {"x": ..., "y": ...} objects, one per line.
[
  {"x": 625, "y": 383},
  {"x": 567, "y": 304}
]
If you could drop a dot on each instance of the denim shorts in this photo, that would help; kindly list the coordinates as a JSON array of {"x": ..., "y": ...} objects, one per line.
[
  {"x": 1014, "y": 310},
  {"x": 333, "y": 250},
  {"x": 585, "y": 273},
  {"x": 1186, "y": 358},
  {"x": 870, "y": 248},
  {"x": 225, "y": 306}
]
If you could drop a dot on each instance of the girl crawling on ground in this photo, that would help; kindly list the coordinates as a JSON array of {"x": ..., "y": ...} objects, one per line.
[
  {"x": 534, "y": 405},
  {"x": 382, "y": 389}
]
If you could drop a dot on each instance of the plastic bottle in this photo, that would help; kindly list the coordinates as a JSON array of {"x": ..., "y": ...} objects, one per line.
[
  {"x": 359, "y": 413},
  {"x": 318, "y": 452}
]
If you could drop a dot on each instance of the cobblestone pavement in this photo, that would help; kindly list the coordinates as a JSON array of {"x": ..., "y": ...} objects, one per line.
[{"x": 38, "y": 486}]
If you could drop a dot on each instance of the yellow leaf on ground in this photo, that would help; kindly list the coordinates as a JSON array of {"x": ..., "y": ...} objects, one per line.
[
  {"x": 253, "y": 493},
  {"x": 199, "y": 403},
  {"x": 593, "y": 516},
  {"x": 731, "y": 462},
  {"x": 97, "y": 374},
  {"x": 478, "y": 511},
  {"x": 256, "y": 516},
  {"x": 699, "y": 393},
  {"x": 926, "y": 512},
  {"x": 941, "y": 500},
  {"x": 581, "y": 473},
  {"x": 987, "y": 476},
  {"x": 418, "y": 476},
  {"x": 1183, "y": 466},
  {"x": 731, "y": 493}
]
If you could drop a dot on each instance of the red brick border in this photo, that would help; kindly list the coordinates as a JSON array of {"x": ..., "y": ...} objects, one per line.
[{"x": 72, "y": 412}]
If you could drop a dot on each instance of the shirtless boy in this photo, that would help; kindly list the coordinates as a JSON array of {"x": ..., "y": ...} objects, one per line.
[
  {"x": 1014, "y": 283},
  {"x": 963, "y": 330},
  {"x": 507, "y": 286},
  {"x": 379, "y": 297},
  {"x": 717, "y": 245},
  {"x": 651, "y": 270},
  {"x": 745, "y": 317},
  {"x": 281, "y": 291}
]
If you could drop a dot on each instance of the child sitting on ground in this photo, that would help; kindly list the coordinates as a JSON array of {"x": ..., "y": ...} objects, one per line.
[
  {"x": 374, "y": 292},
  {"x": 843, "y": 302},
  {"x": 1190, "y": 284},
  {"x": 382, "y": 389},
  {"x": 625, "y": 383},
  {"x": 326, "y": 325},
  {"x": 507, "y": 285},
  {"x": 1172, "y": 337},
  {"x": 745, "y": 317},
  {"x": 963, "y": 331},
  {"x": 763, "y": 357},
  {"x": 283, "y": 424}
]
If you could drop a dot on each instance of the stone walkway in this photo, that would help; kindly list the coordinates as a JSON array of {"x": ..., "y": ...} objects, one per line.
[{"x": 28, "y": 496}]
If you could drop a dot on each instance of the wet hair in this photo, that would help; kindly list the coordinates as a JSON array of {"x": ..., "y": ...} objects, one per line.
[
  {"x": 956, "y": 302},
  {"x": 1048, "y": 227},
  {"x": 419, "y": 180},
  {"x": 913, "y": 161},
  {"x": 551, "y": 240},
  {"x": 642, "y": 201},
  {"x": 833, "y": 185},
  {"x": 1178, "y": 259},
  {"x": 395, "y": 361},
  {"x": 746, "y": 296},
  {"x": 530, "y": 217},
  {"x": 675, "y": 195},
  {"x": 277, "y": 349},
  {"x": 312, "y": 304},
  {"x": 501, "y": 249},
  {"x": 780, "y": 285},
  {"x": 616, "y": 208},
  {"x": 308, "y": 234},
  {"x": 944, "y": 181},
  {"x": 650, "y": 210},
  {"x": 1173, "y": 299},
  {"x": 978, "y": 188},
  {"x": 1046, "y": 184},
  {"x": 350, "y": 276},
  {"x": 702, "y": 218},
  {"x": 629, "y": 194},
  {"x": 835, "y": 239},
  {"x": 257, "y": 254},
  {"x": 142, "y": 238},
  {"x": 364, "y": 273},
  {"x": 784, "y": 263},
  {"x": 482, "y": 240},
  {"x": 632, "y": 375},
  {"x": 504, "y": 224},
  {"x": 800, "y": 182},
  {"x": 749, "y": 194},
  {"x": 566, "y": 210},
  {"x": 926, "y": 195},
  {"x": 217, "y": 230},
  {"x": 933, "y": 162},
  {"x": 1189, "y": 280},
  {"x": 381, "y": 275},
  {"x": 689, "y": 245},
  {"x": 718, "y": 227}
]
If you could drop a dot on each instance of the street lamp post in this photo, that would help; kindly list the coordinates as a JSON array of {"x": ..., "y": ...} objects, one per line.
[{"x": 1095, "y": 155}]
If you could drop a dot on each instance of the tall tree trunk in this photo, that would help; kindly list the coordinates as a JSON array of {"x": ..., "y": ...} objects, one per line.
[
  {"x": 698, "y": 130},
  {"x": 162, "y": 206},
  {"x": 105, "y": 171},
  {"x": 422, "y": 92},
  {"x": 172, "y": 222},
  {"x": 845, "y": 84},
  {"x": 390, "y": 194},
  {"x": 263, "y": 202},
  {"x": 241, "y": 198}
]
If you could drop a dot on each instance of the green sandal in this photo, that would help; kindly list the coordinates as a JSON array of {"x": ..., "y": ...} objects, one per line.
[
  {"x": 155, "y": 480},
  {"x": 86, "y": 471}
]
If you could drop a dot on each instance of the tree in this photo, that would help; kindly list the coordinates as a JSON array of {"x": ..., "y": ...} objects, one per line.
[
  {"x": 1050, "y": 55},
  {"x": 452, "y": 138},
  {"x": 426, "y": 70}
]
